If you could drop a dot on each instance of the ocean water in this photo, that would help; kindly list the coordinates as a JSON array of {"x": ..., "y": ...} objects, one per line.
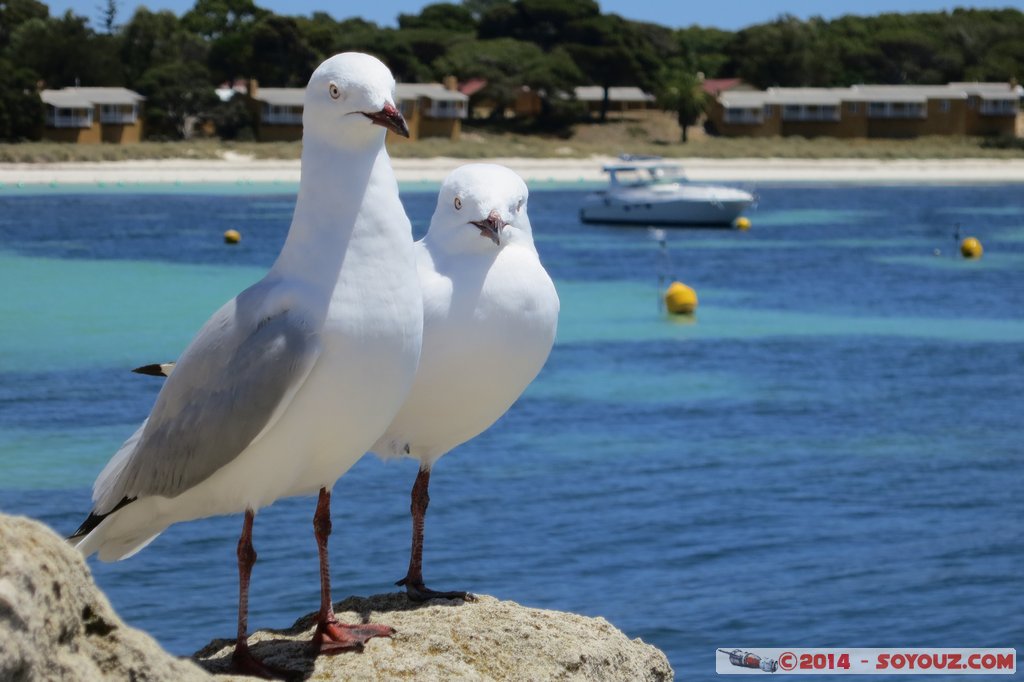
[{"x": 828, "y": 454}]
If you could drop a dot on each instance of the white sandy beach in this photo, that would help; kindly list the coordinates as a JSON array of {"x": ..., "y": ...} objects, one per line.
[{"x": 238, "y": 168}]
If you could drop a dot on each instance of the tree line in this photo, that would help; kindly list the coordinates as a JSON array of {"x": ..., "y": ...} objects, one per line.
[{"x": 550, "y": 46}]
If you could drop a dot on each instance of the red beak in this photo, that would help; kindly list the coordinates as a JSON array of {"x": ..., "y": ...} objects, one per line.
[
  {"x": 390, "y": 118},
  {"x": 490, "y": 227}
]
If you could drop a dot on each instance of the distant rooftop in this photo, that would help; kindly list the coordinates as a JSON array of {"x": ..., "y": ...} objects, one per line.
[
  {"x": 434, "y": 91},
  {"x": 716, "y": 86},
  {"x": 595, "y": 93},
  {"x": 85, "y": 98},
  {"x": 282, "y": 97},
  {"x": 472, "y": 86},
  {"x": 868, "y": 93}
]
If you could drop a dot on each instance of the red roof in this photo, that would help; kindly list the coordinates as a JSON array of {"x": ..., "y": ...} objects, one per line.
[
  {"x": 472, "y": 86},
  {"x": 714, "y": 86}
]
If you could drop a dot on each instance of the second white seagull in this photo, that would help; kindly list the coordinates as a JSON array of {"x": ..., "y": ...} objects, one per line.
[{"x": 490, "y": 311}]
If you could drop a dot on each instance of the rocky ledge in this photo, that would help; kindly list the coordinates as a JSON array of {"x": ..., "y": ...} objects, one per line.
[
  {"x": 56, "y": 624},
  {"x": 486, "y": 639}
]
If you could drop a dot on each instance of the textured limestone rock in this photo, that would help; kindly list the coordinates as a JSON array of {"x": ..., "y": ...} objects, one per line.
[
  {"x": 449, "y": 640},
  {"x": 55, "y": 624}
]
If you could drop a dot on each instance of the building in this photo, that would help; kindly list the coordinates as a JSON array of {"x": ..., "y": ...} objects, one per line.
[
  {"x": 430, "y": 110},
  {"x": 620, "y": 99},
  {"x": 869, "y": 111},
  {"x": 92, "y": 115},
  {"x": 277, "y": 112}
]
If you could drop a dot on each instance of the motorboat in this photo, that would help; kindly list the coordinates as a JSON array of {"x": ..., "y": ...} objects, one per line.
[{"x": 652, "y": 191}]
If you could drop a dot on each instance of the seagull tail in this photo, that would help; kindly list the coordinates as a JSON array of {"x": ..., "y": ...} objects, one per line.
[{"x": 104, "y": 534}]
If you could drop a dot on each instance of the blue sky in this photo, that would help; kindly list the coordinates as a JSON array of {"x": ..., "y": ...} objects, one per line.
[{"x": 727, "y": 14}]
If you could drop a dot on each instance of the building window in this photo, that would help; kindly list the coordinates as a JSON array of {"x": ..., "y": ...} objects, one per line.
[
  {"x": 810, "y": 112},
  {"x": 279, "y": 114},
  {"x": 853, "y": 107},
  {"x": 744, "y": 115},
  {"x": 944, "y": 106},
  {"x": 446, "y": 109},
  {"x": 58, "y": 117},
  {"x": 896, "y": 110},
  {"x": 998, "y": 107},
  {"x": 767, "y": 111},
  {"x": 119, "y": 113}
]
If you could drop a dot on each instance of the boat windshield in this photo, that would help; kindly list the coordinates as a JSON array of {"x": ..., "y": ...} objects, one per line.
[{"x": 646, "y": 175}]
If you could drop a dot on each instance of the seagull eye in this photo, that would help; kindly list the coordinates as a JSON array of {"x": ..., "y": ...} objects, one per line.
[
  {"x": 335, "y": 92},
  {"x": 519, "y": 206},
  {"x": 458, "y": 204}
]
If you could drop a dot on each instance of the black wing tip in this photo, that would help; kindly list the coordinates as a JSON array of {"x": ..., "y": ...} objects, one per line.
[
  {"x": 151, "y": 370},
  {"x": 94, "y": 519}
]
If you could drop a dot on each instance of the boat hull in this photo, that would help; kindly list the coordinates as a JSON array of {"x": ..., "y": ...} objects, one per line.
[{"x": 677, "y": 212}]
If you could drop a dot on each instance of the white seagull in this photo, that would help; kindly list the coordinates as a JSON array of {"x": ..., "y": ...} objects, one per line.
[
  {"x": 489, "y": 316},
  {"x": 292, "y": 381},
  {"x": 489, "y": 320}
]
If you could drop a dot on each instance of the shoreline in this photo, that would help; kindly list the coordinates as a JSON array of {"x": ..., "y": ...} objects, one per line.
[{"x": 238, "y": 169}]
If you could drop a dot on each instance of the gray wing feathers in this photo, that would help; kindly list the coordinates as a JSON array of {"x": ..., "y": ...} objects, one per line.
[{"x": 226, "y": 388}]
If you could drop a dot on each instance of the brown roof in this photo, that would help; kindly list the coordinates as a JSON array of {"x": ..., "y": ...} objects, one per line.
[
  {"x": 714, "y": 86},
  {"x": 472, "y": 86}
]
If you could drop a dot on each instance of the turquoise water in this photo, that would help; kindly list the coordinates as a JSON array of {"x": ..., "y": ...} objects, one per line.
[{"x": 829, "y": 453}]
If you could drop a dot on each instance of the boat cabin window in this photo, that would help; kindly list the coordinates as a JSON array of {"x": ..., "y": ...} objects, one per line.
[{"x": 654, "y": 175}]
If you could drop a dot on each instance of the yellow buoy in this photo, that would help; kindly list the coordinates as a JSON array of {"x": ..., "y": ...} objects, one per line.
[
  {"x": 232, "y": 237},
  {"x": 680, "y": 299},
  {"x": 742, "y": 223},
  {"x": 970, "y": 247}
]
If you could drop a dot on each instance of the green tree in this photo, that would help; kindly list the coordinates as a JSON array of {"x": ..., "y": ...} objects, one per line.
[
  {"x": 600, "y": 48},
  {"x": 545, "y": 22},
  {"x": 14, "y": 13},
  {"x": 21, "y": 110},
  {"x": 175, "y": 93},
  {"x": 233, "y": 120},
  {"x": 478, "y": 8},
  {"x": 64, "y": 51},
  {"x": 227, "y": 27},
  {"x": 704, "y": 49},
  {"x": 213, "y": 19},
  {"x": 786, "y": 52},
  {"x": 108, "y": 16},
  {"x": 443, "y": 15},
  {"x": 153, "y": 38},
  {"x": 680, "y": 91},
  {"x": 280, "y": 55},
  {"x": 507, "y": 65}
]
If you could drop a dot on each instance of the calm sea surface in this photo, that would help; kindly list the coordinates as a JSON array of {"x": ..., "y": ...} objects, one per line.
[{"x": 829, "y": 454}]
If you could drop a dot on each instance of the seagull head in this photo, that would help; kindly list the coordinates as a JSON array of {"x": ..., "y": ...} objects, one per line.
[
  {"x": 481, "y": 207},
  {"x": 350, "y": 99}
]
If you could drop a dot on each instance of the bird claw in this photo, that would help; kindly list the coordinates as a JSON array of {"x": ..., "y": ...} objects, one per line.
[
  {"x": 332, "y": 637},
  {"x": 418, "y": 592}
]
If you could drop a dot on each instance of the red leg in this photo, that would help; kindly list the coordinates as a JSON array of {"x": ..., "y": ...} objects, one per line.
[
  {"x": 331, "y": 636},
  {"x": 413, "y": 580},
  {"x": 242, "y": 659}
]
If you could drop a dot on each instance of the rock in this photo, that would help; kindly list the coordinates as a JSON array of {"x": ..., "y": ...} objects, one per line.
[
  {"x": 486, "y": 639},
  {"x": 55, "y": 624}
]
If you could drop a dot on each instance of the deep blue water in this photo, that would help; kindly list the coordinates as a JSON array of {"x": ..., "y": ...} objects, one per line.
[{"x": 829, "y": 454}]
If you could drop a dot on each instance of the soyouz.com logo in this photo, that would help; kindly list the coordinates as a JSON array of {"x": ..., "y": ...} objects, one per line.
[{"x": 910, "y": 661}]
